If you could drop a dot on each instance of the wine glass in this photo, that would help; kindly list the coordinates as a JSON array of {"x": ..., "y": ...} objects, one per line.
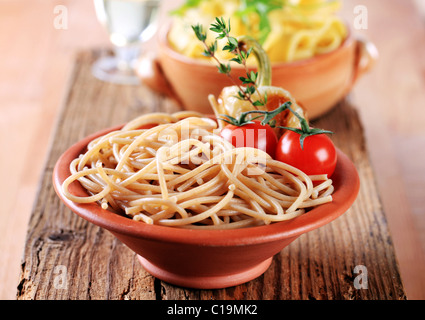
[{"x": 129, "y": 24}]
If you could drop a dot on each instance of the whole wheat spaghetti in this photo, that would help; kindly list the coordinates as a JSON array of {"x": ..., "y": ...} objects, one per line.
[{"x": 180, "y": 173}]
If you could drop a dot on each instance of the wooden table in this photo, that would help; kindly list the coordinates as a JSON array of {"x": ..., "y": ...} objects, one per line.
[{"x": 69, "y": 258}]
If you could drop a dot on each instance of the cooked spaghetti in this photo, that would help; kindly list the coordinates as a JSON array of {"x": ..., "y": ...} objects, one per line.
[{"x": 180, "y": 173}]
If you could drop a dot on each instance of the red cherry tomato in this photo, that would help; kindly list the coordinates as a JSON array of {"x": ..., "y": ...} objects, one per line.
[
  {"x": 318, "y": 155},
  {"x": 253, "y": 135}
]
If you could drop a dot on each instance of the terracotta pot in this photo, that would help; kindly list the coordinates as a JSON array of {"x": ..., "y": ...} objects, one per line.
[
  {"x": 207, "y": 258},
  {"x": 317, "y": 83}
]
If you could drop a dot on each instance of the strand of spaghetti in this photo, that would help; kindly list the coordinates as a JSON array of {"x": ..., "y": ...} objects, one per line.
[
  {"x": 270, "y": 217},
  {"x": 160, "y": 202},
  {"x": 194, "y": 172},
  {"x": 125, "y": 137},
  {"x": 150, "y": 176},
  {"x": 83, "y": 180},
  {"x": 183, "y": 127},
  {"x": 136, "y": 142},
  {"x": 260, "y": 211},
  {"x": 320, "y": 187},
  {"x": 328, "y": 193},
  {"x": 163, "y": 214},
  {"x": 209, "y": 221},
  {"x": 310, "y": 202},
  {"x": 140, "y": 139},
  {"x": 93, "y": 148},
  {"x": 227, "y": 213},
  {"x": 175, "y": 168},
  {"x": 242, "y": 187},
  {"x": 223, "y": 202},
  {"x": 142, "y": 217},
  {"x": 304, "y": 194},
  {"x": 295, "y": 202},
  {"x": 280, "y": 186},
  {"x": 151, "y": 118},
  {"x": 286, "y": 170},
  {"x": 318, "y": 177},
  {"x": 179, "y": 115},
  {"x": 160, "y": 157},
  {"x": 83, "y": 199},
  {"x": 271, "y": 200},
  {"x": 116, "y": 152},
  {"x": 183, "y": 147},
  {"x": 208, "y": 188},
  {"x": 215, "y": 219},
  {"x": 254, "y": 185},
  {"x": 230, "y": 225},
  {"x": 101, "y": 139},
  {"x": 316, "y": 202},
  {"x": 194, "y": 202},
  {"x": 109, "y": 201},
  {"x": 213, "y": 170},
  {"x": 139, "y": 187},
  {"x": 113, "y": 186},
  {"x": 119, "y": 175},
  {"x": 239, "y": 164},
  {"x": 218, "y": 142},
  {"x": 149, "y": 168}
]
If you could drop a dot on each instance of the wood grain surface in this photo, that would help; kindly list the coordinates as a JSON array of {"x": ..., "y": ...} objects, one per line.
[{"x": 318, "y": 265}]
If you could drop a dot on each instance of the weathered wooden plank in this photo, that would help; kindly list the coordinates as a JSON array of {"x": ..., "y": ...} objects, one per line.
[{"x": 318, "y": 265}]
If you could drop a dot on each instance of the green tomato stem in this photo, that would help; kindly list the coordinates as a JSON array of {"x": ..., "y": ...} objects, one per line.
[
  {"x": 305, "y": 130},
  {"x": 266, "y": 115}
]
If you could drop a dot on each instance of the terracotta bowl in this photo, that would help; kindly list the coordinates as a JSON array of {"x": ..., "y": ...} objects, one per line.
[
  {"x": 207, "y": 259},
  {"x": 317, "y": 83}
]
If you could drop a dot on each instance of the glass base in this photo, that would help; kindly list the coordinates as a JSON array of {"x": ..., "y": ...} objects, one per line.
[{"x": 107, "y": 69}]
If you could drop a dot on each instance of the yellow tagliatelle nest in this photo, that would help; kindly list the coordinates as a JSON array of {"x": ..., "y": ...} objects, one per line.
[
  {"x": 181, "y": 173},
  {"x": 300, "y": 29}
]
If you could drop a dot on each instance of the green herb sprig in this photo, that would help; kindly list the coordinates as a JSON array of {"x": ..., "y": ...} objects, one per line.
[
  {"x": 240, "y": 56},
  {"x": 266, "y": 115}
]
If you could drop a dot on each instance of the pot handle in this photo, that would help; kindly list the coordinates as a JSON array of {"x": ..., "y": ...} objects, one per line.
[
  {"x": 365, "y": 58},
  {"x": 151, "y": 74}
]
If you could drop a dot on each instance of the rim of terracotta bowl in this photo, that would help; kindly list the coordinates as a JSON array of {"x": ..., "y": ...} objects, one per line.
[
  {"x": 165, "y": 45},
  {"x": 345, "y": 179}
]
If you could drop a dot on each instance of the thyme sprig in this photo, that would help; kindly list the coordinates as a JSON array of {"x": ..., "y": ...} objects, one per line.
[{"x": 241, "y": 56}]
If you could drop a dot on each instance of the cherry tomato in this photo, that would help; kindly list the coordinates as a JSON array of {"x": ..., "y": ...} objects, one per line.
[
  {"x": 318, "y": 155},
  {"x": 253, "y": 135}
]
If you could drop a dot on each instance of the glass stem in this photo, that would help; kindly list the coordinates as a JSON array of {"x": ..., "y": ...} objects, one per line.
[{"x": 127, "y": 56}]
